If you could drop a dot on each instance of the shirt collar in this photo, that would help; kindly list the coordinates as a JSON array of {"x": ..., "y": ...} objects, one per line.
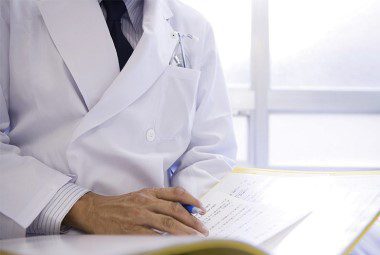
[{"x": 135, "y": 9}]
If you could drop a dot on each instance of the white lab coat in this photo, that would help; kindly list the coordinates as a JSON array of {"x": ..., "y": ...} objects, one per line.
[{"x": 68, "y": 113}]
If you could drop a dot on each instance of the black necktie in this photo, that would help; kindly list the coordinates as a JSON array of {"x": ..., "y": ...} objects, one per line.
[{"x": 115, "y": 10}]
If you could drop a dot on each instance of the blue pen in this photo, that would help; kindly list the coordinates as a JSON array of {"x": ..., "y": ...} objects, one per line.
[{"x": 193, "y": 209}]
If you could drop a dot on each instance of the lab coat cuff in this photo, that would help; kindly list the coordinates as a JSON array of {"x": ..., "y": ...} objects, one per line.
[{"x": 49, "y": 221}]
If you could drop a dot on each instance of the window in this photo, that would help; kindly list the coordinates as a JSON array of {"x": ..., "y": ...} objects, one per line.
[
  {"x": 303, "y": 78},
  {"x": 236, "y": 63},
  {"x": 324, "y": 44}
]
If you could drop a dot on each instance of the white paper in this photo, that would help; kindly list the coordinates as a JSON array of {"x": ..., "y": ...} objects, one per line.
[
  {"x": 238, "y": 208},
  {"x": 351, "y": 203},
  {"x": 330, "y": 210}
]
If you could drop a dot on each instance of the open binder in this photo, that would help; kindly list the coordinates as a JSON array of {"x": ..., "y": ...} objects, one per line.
[
  {"x": 298, "y": 212},
  {"x": 252, "y": 212}
]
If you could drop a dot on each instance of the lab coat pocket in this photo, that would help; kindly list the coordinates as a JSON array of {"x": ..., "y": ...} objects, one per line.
[{"x": 177, "y": 102}]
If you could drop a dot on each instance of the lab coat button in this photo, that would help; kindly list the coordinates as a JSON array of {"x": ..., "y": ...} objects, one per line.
[{"x": 150, "y": 135}]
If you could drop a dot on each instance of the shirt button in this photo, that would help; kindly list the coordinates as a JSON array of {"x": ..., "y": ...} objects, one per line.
[{"x": 150, "y": 135}]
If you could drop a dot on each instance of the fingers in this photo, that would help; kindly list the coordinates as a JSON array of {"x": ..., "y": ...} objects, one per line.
[
  {"x": 180, "y": 195},
  {"x": 170, "y": 225},
  {"x": 178, "y": 212}
]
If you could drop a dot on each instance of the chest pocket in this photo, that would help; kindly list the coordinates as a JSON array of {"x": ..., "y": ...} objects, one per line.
[{"x": 177, "y": 103}]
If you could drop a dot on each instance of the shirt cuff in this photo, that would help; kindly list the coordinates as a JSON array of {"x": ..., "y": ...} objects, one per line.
[{"x": 50, "y": 219}]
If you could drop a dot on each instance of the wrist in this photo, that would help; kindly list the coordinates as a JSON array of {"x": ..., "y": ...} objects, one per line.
[{"x": 80, "y": 215}]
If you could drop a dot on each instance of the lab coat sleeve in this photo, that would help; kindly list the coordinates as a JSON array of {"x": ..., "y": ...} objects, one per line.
[
  {"x": 212, "y": 149},
  {"x": 26, "y": 184}
]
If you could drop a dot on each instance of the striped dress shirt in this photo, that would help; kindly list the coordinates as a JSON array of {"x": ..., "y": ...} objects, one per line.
[
  {"x": 131, "y": 21},
  {"x": 49, "y": 221}
]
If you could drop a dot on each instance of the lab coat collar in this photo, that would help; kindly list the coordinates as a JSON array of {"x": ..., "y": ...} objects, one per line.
[
  {"x": 81, "y": 35},
  {"x": 83, "y": 40}
]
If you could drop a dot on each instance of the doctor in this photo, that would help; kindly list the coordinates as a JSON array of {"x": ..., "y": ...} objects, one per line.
[{"x": 100, "y": 116}]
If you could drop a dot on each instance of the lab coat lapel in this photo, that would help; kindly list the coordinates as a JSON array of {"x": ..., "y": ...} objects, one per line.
[
  {"x": 148, "y": 61},
  {"x": 80, "y": 33}
]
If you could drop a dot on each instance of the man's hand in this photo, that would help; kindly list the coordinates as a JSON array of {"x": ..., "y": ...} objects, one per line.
[{"x": 138, "y": 213}]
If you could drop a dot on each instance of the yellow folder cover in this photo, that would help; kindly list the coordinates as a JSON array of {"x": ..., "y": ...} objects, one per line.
[{"x": 215, "y": 247}]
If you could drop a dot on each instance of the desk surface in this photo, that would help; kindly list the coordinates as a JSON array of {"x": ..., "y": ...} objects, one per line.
[{"x": 89, "y": 244}]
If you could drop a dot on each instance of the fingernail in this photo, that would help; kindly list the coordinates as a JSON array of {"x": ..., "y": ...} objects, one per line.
[
  {"x": 204, "y": 230},
  {"x": 197, "y": 210},
  {"x": 200, "y": 234},
  {"x": 203, "y": 209}
]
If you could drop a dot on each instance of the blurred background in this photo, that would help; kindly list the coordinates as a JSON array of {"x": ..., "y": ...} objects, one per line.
[{"x": 304, "y": 80}]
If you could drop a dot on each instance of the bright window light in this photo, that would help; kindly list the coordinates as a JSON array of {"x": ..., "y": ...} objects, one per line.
[
  {"x": 232, "y": 27},
  {"x": 324, "y": 44},
  {"x": 325, "y": 140}
]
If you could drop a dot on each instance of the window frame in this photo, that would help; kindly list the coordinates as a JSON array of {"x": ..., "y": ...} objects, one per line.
[{"x": 258, "y": 102}]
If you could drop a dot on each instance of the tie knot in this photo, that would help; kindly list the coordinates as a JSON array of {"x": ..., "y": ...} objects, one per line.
[{"x": 115, "y": 9}]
